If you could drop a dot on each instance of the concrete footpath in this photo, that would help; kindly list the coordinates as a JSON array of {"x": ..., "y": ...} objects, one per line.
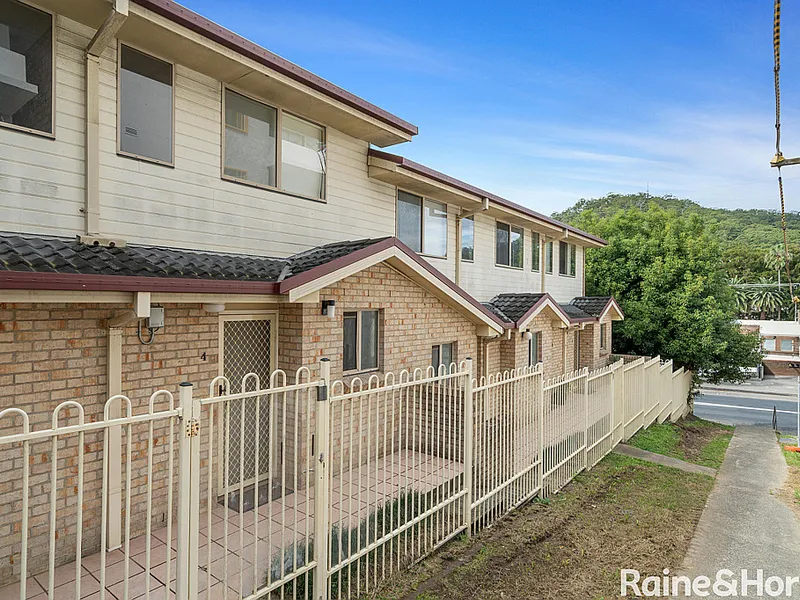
[
  {"x": 667, "y": 461},
  {"x": 744, "y": 525}
]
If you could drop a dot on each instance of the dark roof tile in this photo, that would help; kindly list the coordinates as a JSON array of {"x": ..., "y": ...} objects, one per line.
[
  {"x": 574, "y": 312},
  {"x": 591, "y": 305},
  {"x": 513, "y": 306},
  {"x": 309, "y": 259},
  {"x": 58, "y": 255}
]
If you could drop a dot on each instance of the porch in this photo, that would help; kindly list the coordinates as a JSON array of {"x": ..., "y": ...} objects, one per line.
[{"x": 252, "y": 541}]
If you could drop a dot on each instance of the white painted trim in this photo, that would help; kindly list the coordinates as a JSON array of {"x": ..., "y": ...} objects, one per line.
[{"x": 548, "y": 303}]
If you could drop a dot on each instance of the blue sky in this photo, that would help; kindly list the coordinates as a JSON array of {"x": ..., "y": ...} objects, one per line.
[{"x": 546, "y": 102}]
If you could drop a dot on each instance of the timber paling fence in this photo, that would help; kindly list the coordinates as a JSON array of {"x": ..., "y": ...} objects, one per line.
[{"x": 305, "y": 488}]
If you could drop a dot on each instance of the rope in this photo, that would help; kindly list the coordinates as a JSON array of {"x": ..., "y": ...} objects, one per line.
[{"x": 776, "y": 45}]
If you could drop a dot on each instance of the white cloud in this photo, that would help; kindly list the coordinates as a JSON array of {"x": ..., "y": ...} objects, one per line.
[{"x": 714, "y": 157}]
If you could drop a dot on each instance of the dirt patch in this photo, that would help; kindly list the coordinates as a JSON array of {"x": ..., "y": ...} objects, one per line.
[
  {"x": 790, "y": 492},
  {"x": 622, "y": 514},
  {"x": 690, "y": 439},
  {"x": 697, "y": 434}
]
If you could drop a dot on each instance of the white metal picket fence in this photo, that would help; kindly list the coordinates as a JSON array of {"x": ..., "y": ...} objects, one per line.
[{"x": 358, "y": 480}]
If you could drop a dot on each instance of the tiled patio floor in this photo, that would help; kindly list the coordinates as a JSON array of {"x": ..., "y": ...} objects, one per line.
[{"x": 280, "y": 523}]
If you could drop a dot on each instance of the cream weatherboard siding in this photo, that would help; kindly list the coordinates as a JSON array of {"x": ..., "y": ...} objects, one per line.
[
  {"x": 561, "y": 287},
  {"x": 191, "y": 206},
  {"x": 41, "y": 179},
  {"x": 188, "y": 205},
  {"x": 484, "y": 279}
]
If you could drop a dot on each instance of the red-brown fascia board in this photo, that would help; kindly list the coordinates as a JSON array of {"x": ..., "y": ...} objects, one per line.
[
  {"x": 297, "y": 280},
  {"x": 207, "y": 28},
  {"x": 471, "y": 189},
  {"x": 26, "y": 280}
]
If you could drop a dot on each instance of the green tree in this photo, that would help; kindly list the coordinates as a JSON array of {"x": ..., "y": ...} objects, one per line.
[
  {"x": 666, "y": 271},
  {"x": 742, "y": 296},
  {"x": 775, "y": 260},
  {"x": 768, "y": 299}
]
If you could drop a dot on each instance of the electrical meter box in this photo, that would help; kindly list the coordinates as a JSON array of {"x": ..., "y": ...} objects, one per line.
[{"x": 156, "y": 317}]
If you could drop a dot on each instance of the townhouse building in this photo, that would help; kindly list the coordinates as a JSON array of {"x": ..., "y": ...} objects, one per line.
[{"x": 178, "y": 203}]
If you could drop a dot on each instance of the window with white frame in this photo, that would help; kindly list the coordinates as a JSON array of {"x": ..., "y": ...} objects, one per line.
[
  {"x": 548, "y": 257},
  {"x": 26, "y": 67},
  {"x": 145, "y": 106},
  {"x": 251, "y": 148},
  {"x": 787, "y": 345},
  {"x": 468, "y": 239},
  {"x": 442, "y": 354},
  {"x": 422, "y": 224},
  {"x": 302, "y": 157},
  {"x": 536, "y": 253},
  {"x": 360, "y": 352},
  {"x": 566, "y": 259},
  {"x": 509, "y": 245},
  {"x": 769, "y": 344},
  {"x": 535, "y": 348}
]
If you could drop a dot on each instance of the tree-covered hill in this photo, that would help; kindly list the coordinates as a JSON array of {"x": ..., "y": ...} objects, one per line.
[{"x": 745, "y": 236}]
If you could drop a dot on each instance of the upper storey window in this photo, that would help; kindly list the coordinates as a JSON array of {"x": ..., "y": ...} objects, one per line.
[
  {"x": 509, "y": 248},
  {"x": 468, "y": 239},
  {"x": 26, "y": 67},
  {"x": 252, "y": 154},
  {"x": 422, "y": 224},
  {"x": 566, "y": 259},
  {"x": 145, "y": 106}
]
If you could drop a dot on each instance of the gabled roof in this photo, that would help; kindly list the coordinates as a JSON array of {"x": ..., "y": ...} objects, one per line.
[
  {"x": 50, "y": 263},
  {"x": 447, "y": 180},
  {"x": 517, "y": 310},
  {"x": 598, "y": 306},
  {"x": 217, "y": 33},
  {"x": 514, "y": 306},
  {"x": 575, "y": 313}
]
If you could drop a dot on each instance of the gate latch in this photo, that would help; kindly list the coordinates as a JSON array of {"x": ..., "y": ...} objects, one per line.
[{"x": 192, "y": 428}]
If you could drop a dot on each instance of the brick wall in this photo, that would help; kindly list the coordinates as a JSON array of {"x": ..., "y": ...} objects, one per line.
[
  {"x": 52, "y": 353},
  {"x": 513, "y": 353},
  {"x": 411, "y": 321}
]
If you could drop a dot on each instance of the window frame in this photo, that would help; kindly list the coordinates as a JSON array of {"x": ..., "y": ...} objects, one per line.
[
  {"x": 774, "y": 344},
  {"x": 603, "y": 336},
  {"x": 461, "y": 241},
  {"x": 570, "y": 260},
  {"x": 782, "y": 341},
  {"x": 423, "y": 199},
  {"x": 120, "y": 151},
  {"x": 37, "y": 132},
  {"x": 453, "y": 358},
  {"x": 279, "y": 109},
  {"x": 536, "y": 338},
  {"x": 522, "y": 238},
  {"x": 359, "y": 370},
  {"x": 536, "y": 265},
  {"x": 548, "y": 257}
]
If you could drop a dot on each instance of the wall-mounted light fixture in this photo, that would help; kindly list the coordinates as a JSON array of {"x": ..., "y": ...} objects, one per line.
[
  {"x": 527, "y": 335},
  {"x": 329, "y": 308},
  {"x": 214, "y": 308}
]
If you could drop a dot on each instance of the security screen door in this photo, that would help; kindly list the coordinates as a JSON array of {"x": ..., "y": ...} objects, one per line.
[{"x": 247, "y": 348}]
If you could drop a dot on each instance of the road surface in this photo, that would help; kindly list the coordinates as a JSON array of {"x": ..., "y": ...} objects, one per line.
[{"x": 735, "y": 409}]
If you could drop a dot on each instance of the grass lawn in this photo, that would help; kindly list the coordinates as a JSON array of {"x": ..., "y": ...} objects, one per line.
[
  {"x": 624, "y": 513},
  {"x": 691, "y": 439}
]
